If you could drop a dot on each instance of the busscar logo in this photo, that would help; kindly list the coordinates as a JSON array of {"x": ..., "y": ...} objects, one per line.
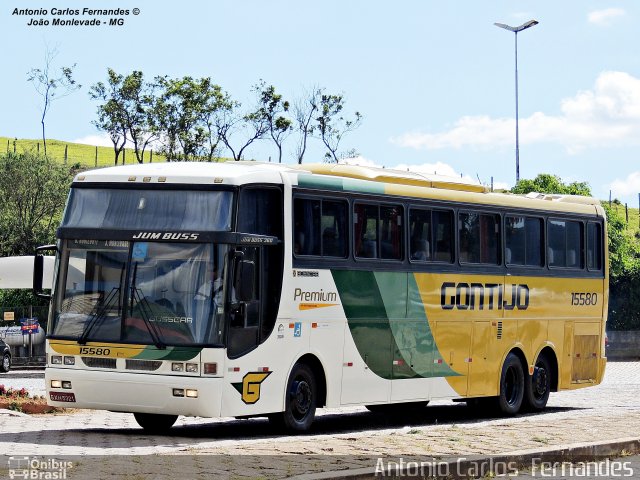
[
  {"x": 165, "y": 236},
  {"x": 249, "y": 389}
]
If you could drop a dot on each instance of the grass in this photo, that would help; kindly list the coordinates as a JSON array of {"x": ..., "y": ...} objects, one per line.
[
  {"x": 634, "y": 213},
  {"x": 80, "y": 153}
]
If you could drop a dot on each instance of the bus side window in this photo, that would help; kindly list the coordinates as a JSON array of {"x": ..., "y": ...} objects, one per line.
[
  {"x": 594, "y": 246},
  {"x": 443, "y": 236},
  {"x": 366, "y": 230},
  {"x": 479, "y": 238},
  {"x": 420, "y": 234},
  {"x": 524, "y": 242}
]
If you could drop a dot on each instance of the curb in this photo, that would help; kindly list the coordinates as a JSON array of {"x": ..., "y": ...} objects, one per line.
[{"x": 479, "y": 466}]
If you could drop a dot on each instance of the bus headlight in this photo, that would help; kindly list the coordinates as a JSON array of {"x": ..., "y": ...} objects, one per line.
[
  {"x": 177, "y": 367},
  {"x": 56, "y": 384},
  {"x": 192, "y": 367},
  {"x": 69, "y": 360},
  {"x": 56, "y": 359}
]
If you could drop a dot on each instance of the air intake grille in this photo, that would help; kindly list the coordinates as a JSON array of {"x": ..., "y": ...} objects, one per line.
[
  {"x": 147, "y": 365},
  {"x": 499, "y": 332},
  {"x": 96, "y": 362}
]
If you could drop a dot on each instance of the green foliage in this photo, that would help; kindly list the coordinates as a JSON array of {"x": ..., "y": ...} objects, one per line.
[
  {"x": 624, "y": 274},
  {"x": 333, "y": 125},
  {"x": 547, "y": 183},
  {"x": 34, "y": 190}
]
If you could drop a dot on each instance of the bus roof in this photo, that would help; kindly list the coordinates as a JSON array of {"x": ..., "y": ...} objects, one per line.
[{"x": 340, "y": 177}]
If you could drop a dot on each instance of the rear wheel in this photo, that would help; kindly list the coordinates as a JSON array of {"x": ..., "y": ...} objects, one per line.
[
  {"x": 6, "y": 362},
  {"x": 512, "y": 386},
  {"x": 300, "y": 402},
  {"x": 538, "y": 385},
  {"x": 154, "y": 422}
]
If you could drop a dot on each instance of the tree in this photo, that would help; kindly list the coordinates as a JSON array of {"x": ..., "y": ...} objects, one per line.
[
  {"x": 184, "y": 112},
  {"x": 332, "y": 125},
  {"x": 547, "y": 183},
  {"x": 248, "y": 127},
  {"x": 304, "y": 111},
  {"x": 51, "y": 86},
  {"x": 111, "y": 111},
  {"x": 34, "y": 190},
  {"x": 272, "y": 107}
]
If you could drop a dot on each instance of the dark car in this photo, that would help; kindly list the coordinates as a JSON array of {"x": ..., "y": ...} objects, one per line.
[{"x": 5, "y": 357}]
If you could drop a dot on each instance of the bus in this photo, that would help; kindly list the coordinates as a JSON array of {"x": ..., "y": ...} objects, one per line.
[{"x": 244, "y": 289}]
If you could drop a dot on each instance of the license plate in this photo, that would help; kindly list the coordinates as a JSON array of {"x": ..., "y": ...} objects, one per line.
[{"x": 62, "y": 397}]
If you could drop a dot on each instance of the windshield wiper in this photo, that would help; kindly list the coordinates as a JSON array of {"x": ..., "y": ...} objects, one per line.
[
  {"x": 99, "y": 316},
  {"x": 145, "y": 313}
]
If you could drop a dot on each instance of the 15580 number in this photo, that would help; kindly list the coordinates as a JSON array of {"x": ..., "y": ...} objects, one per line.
[
  {"x": 94, "y": 351},
  {"x": 582, "y": 298}
]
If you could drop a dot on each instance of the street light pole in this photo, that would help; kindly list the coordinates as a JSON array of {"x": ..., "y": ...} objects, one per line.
[{"x": 515, "y": 30}]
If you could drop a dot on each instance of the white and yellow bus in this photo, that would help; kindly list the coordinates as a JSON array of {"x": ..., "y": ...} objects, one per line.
[{"x": 245, "y": 289}]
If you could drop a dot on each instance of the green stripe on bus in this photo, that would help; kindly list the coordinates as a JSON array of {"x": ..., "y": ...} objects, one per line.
[
  {"x": 388, "y": 323},
  {"x": 340, "y": 184},
  {"x": 170, "y": 353}
]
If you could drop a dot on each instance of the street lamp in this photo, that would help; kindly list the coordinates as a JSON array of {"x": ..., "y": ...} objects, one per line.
[{"x": 515, "y": 30}]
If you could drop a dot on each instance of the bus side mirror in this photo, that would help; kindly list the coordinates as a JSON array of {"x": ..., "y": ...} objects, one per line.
[
  {"x": 38, "y": 271},
  {"x": 244, "y": 280}
]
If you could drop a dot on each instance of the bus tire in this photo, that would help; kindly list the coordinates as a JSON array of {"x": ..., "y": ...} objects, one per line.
[
  {"x": 512, "y": 385},
  {"x": 300, "y": 400},
  {"x": 538, "y": 385},
  {"x": 154, "y": 422}
]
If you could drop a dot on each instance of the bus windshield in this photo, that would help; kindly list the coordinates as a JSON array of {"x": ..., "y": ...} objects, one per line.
[{"x": 141, "y": 292}]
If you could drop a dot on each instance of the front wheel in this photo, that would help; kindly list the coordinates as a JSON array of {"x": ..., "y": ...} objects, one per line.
[
  {"x": 6, "y": 363},
  {"x": 300, "y": 402},
  {"x": 154, "y": 422},
  {"x": 538, "y": 385},
  {"x": 512, "y": 386}
]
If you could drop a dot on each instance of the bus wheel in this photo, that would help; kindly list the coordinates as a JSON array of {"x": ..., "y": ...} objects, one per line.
[
  {"x": 538, "y": 385},
  {"x": 155, "y": 423},
  {"x": 300, "y": 401},
  {"x": 512, "y": 386}
]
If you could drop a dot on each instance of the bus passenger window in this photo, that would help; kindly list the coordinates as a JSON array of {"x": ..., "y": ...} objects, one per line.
[
  {"x": 594, "y": 246},
  {"x": 523, "y": 241},
  {"x": 479, "y": 238},
  {"x": 443, "y": 236},
  {"x": 565, "y": 244},
  {"x": 366, "y": 231},
  {"x": 334, "y": 229},
  {"x": 391, "y": 232},
  {"x": 306, "y": 227},
  {"x": 420, "y": 234}
]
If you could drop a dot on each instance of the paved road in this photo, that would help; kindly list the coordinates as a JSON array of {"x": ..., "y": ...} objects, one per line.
[{"x": 350, "y": 437}]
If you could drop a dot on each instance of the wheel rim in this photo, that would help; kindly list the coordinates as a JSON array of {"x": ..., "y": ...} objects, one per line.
[
  {"x": 512, "y": 387},
  {"x": 300, "y": 399},
  {"x": 5, "y": 362},
  {"x": 540, "y": 380}
]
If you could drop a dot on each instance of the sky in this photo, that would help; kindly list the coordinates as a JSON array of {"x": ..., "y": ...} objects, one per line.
[{"x": 433, "y": 80}]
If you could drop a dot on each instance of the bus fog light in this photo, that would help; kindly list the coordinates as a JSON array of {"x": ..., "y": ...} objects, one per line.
[
  {"x": 210, "y": 368},
  {"x": 66, "y": 384},
  {"x": 191, "y": 393},
  {"x": 56, "y": 359},
  {"x": 192, "y": 367},
  {"x": 69, "y": 360},
  {"x": 178, "y": 392},
  {"x": 177, "y": 367},
  {"x": 56, "y": 384}
]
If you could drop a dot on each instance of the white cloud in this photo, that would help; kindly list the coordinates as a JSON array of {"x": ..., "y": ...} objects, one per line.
[
  {"x": 604, "y": 18},
  {"x": 101, "y": 140},
  {"x": 607, "y": 115},
  {"x": 626, "y": 186}
]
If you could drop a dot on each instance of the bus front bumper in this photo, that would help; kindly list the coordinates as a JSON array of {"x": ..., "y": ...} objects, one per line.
[{"x": 131, "y": 392}]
